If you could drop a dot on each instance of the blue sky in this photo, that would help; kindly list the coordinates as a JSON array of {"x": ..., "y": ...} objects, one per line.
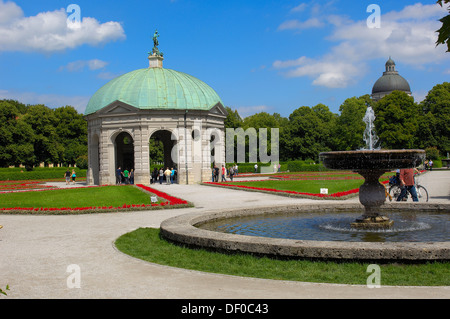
[{"x": 271, "y": 56}]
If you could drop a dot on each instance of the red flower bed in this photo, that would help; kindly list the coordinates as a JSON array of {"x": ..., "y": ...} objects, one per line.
[
  {"x": 21, "y": 185},
  {"x": 170, "y": 199},
  {"x": 277, "y": 191}
]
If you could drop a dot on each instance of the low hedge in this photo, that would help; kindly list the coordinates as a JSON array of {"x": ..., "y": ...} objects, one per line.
[
  {"x": 17, "y": 173},
  {"x": 291, "y": 166}
]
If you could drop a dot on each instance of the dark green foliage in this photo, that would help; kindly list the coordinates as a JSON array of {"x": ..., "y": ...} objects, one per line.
[
  {"x": 34, "y": 134},
  {"x": 444, "y": 31}
]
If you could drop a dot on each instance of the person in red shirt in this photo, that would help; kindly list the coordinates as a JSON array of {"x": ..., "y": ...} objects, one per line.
[
  {"x": 407, "y": 183},
  {"x": 224, "y": 173}
]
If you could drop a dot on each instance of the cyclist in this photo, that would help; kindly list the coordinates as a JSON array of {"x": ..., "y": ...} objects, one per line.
[{"x": 407, "y": 183}]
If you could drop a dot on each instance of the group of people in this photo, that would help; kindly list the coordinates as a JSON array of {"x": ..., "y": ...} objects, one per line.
[
  {"x": 170, "y": 175},
  {"x": 231, "y": 171},
  {"x": 429, "y": 164},
  {"x": 125, "y": 176},
  {"x": 68, "y": 175},
  {"x": 405, "y": 179}
]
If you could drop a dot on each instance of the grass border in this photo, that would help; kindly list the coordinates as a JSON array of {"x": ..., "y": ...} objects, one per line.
[{"x": 146, "y": 244}]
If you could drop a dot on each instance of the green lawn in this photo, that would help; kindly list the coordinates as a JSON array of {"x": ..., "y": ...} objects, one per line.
[
  {"x": 146, "y": 244},
  {"x": 115, "y": 196},
  {"x": 305, "y": 186}
]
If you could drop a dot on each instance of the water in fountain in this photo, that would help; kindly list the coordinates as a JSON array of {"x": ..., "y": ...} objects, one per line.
[
  {"x": 370, "y": 136},
  {"x": 410, "y": 225}
]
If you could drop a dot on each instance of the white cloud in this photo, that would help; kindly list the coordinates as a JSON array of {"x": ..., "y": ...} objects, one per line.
[
  {"x": 408, "y": 35},
  {"x": 301, "y": 7},
  {"x": 245, "y": 111},
  {"x": 50, "y": 32},
  {"x": 325, "y": 72},
  {"x": 50, "y": 100},
  {"x": 79, "y": 65}
]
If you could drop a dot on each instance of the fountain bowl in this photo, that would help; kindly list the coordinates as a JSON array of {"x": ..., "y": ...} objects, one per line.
[{"x": 373, "y": 159}]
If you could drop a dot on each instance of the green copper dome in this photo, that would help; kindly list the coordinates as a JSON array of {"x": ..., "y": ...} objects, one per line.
[{"x": 155, "y": 88}]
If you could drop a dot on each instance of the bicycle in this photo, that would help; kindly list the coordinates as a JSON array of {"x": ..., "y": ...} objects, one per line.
[{"x": 422, "y": 193}]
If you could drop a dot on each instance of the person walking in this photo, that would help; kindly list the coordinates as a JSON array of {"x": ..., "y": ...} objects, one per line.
[
  {"x": 74, "y": 176},
  {"x": 224, "y": 173},
  {"x": 407, "y": 183},
  {"x": 231, "y": 172},
  {"x": 67, "y": 176}
]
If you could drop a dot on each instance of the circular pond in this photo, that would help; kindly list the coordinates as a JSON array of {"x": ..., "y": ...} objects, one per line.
[{"x": 318, "y": 231}]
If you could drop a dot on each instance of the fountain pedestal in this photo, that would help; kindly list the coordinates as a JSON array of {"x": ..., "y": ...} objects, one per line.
[{"x": 372, "y": 194}]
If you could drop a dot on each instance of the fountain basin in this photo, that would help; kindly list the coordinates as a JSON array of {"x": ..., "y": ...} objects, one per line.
[
  {"x": 183, "y": 230},
  {"x": 367, "y": 160}
]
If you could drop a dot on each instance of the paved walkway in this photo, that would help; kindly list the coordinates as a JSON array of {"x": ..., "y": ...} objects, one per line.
[{"x": 35, "y": 252}]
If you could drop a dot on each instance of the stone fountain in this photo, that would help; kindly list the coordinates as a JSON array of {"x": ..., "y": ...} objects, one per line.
[{"x": 372, "y": 163}]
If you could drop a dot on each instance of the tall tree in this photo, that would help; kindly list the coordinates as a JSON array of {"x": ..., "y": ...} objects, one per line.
[
  {"x": 233, "y": 119},
  {"x": 349, "y": 129},
  {"x": 436, "y": 118},
  {"x": 16, "y": 136},
  {"x": 308, "y": 132},
  {"x": 396, "y": 121},
  {"x": 71, "y": 130},
  {"x": 47, "y": 148}
]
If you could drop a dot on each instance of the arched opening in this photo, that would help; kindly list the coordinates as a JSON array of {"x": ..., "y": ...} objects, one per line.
[
  {"x": 124, "y": 151},
  {"x": 161, "y": 155}
]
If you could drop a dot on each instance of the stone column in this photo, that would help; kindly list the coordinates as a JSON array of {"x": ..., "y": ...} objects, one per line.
[
  {"x": 107, "y": 160},
  {"x": 141, "y": 156}
]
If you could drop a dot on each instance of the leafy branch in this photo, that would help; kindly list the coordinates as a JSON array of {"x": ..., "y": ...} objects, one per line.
[
  {"x": 444, "y": 31},
  {"x": 3, "y": 292}
]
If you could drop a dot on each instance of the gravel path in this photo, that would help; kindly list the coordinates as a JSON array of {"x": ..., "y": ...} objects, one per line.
[{"x": 37, "y": 252}]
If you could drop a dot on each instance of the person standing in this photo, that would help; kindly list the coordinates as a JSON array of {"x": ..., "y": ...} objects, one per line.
[
  {"x": 167, "y": 173},
  {"x": 118, "y": 176},
  {"x": 161, "y": 175},
  {"x": 407, "y": 183},
  {"x": 132, "y": 176},
  {"x": 172, "y": 175},
  {"x": 126, "y": 176},
  {"x": 216, "y": 173}
]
